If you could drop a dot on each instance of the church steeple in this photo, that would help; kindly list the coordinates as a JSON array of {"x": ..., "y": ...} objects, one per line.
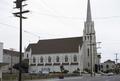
[
  {"x": 89, "y": 17},
  {"x": 89, "y": 39},
  {"x": 89, "y": 24}
]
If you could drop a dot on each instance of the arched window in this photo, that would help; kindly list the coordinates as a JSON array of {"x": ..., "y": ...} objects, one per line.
[
  {"x": 66, "y": 58},
  {"x": 107, "y": 66},
  {"x": 75, "y": 58},
  {"x": 41, "y": 59},
  {"x": 57, "y": 59},
  {"x": 49, "y": 59},
  {"x": 34, "y": 60}
]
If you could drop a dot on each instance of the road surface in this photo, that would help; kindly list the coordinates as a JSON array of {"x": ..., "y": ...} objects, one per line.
[
  {"x": 85, "y": 78},
  {"x": 97, "y": 78}
]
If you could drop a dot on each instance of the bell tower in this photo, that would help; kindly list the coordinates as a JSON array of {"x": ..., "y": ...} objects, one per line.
[{"x": 89, "y": 39}]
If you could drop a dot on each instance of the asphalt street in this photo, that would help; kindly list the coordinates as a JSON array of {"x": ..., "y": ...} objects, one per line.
[
  {"x": 97, "y": 78},
  {"x": 84, "y": 78}
]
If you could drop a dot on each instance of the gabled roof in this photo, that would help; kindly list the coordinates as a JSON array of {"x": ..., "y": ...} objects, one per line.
[
  {"x": 109, "y": 61},
  {"x": 63, "y": 45}
]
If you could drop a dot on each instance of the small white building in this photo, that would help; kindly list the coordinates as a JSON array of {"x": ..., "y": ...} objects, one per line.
[
  {"x": 10, "y": 57},
  {"x": 7, "y": 59},
  {"x": 1, "y": 60},
  {"x": 108, "y": 66},
  {"x": 72, "y": 53}
]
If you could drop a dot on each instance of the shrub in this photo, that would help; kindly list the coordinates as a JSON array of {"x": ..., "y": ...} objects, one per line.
[
  {"x": 87, "y": 70},
  {"x": 76, "y": 71},
  {"x": 65, "y": 71}
]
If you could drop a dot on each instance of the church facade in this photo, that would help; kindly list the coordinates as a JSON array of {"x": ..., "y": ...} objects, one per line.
[{"x": 72, "y": 53}]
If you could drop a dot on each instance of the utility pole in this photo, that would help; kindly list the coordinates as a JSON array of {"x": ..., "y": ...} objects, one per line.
[
  {"x": 116, "y": 57},
  {"x": 99, "y": 56},
  {"x": 19, "y": 14},
  {"x": 116, "y": 60},
  {"x": 11, "y": 60},
  {"x": 95, "y": 61},
  {"x": 94, "y": 56},
  {"x": 91, "y": 52},
  {"x": 91, "y": 55}
]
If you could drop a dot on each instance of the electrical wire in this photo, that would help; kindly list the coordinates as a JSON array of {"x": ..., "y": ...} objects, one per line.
[
  {"x": 61, "y": 16},
  {"x": 11, "y": 26},
  {"x": 74, "y": 18},
  {"x": 25, "y": 31}
]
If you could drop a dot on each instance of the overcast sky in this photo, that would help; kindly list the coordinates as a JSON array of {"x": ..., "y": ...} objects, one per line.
[{"x": 62, "y": 18}]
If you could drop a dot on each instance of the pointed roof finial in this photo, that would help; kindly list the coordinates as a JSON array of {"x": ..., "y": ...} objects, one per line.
[{"x": 89, "y": 17}]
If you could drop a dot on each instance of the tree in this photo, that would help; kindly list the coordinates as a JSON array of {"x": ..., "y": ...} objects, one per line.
[{"x": 23, "y": 66}]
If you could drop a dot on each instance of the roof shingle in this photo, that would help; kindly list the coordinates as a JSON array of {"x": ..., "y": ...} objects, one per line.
[{"x": 63, "y": 45}]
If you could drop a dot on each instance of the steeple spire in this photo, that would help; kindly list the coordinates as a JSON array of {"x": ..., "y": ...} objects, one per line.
[{"x": 89, "y": 17}]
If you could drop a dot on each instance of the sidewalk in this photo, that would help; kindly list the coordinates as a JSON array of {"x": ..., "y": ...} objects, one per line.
[{"x": 57, "y": 79}]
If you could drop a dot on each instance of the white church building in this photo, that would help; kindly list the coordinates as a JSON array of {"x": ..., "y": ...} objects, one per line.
[{"x": 72, "y": 53}]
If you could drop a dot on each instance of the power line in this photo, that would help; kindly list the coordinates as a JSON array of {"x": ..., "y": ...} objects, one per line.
[
  {"x": 107, "y": 17},
  {"x": 59, "y": 16},
  {"x": 75, "y": 18},
  {"x": 25, "y": 31},
  {"x": 54, "y": 11},
  {"x": 11, "y": 26},
  {"x": 4, "y": 18},
  {"x": 70, "y": 17},
  {"x": 7, "y": 25},
  {"x": 66, "y": 17}
]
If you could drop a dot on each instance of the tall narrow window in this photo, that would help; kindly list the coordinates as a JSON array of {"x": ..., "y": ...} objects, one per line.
[
  {"x": 41, "y": 59},
  {"x": 27, "y": 55},
  {"x": 107, "y": 66},
  {"x": 85, "y": 37},
  {"x": 57, "y": 59},
  {"x": 75, "y": 58},
  {"x": 49, "y": 59},
  {"x": 34, "y": 60},
  {"x": 88, "y": 52},
  {"x": 88, "y": 64},
  {"x": 66, "y": 58},
  {"x": 88, "y": 37},
  {"x": 102, "y": 66}
]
